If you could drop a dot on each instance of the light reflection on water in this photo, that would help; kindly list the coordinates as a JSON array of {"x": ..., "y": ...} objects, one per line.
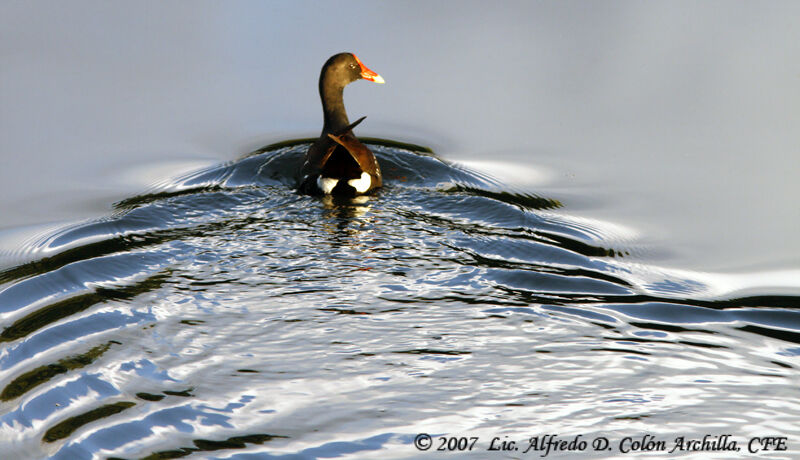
[
  {"x": 676, "y": 120},
  {"x": 619, "y": 147},
  {"x": 224, "y": 315}
]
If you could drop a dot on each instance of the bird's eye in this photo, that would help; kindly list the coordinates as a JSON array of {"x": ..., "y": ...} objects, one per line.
[{"x": 352, "y": 66}]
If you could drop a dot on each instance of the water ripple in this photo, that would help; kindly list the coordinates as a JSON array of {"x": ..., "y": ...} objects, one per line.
[{"x": 221, "y": 314}]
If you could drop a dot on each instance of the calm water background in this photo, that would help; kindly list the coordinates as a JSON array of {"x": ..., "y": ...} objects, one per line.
[{"x": 609, "y": 249}]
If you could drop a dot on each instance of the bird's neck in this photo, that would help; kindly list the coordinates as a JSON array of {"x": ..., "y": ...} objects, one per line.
[{"x": 332, "y": 106}]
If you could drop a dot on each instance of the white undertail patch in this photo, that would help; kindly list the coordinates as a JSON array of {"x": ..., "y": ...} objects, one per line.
[
  {"x": 326, "y": 184},
  {"x": 362, "y": 183}
]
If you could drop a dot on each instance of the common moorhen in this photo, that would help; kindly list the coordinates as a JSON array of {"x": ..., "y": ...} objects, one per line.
[{"x": 338, "y": 163}]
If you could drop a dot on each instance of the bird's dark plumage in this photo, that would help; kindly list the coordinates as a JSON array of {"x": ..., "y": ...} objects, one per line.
[{"x": 338, "y": 163}]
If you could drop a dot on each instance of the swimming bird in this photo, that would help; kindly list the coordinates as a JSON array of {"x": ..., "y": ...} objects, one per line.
[{"x": 338, "y": 163}]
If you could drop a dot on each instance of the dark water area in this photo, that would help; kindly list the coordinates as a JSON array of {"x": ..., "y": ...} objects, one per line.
[{"x": 222, "y": 315}]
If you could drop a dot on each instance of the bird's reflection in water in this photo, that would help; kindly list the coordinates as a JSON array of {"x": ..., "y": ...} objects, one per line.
[{"x": 348, "y": 218}]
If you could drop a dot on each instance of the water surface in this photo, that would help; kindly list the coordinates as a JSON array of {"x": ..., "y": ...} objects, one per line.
[
  {"x": 603, "y": 243},
  {"x": 680, "y": 118},
  {"x": 222, "y": 314}
]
